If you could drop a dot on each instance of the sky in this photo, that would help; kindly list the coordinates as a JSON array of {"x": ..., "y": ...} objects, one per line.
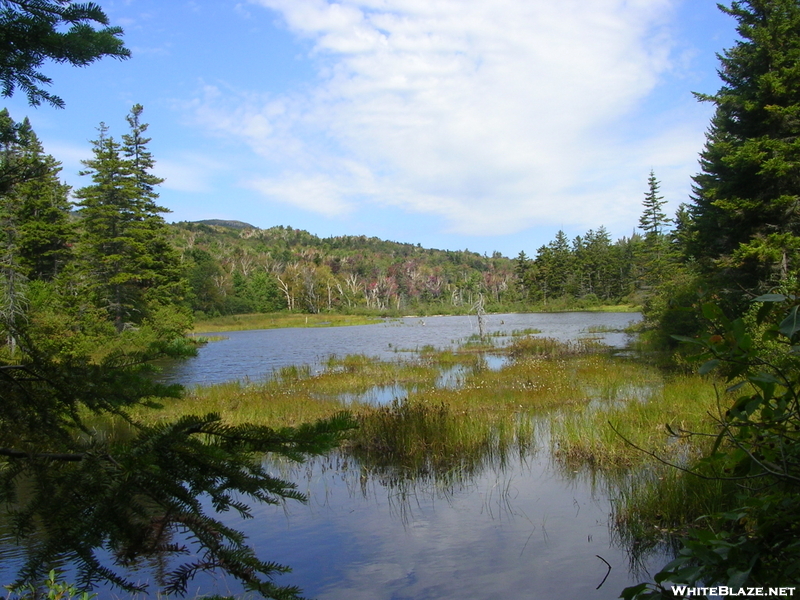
[{"x": 455, "y": 124}]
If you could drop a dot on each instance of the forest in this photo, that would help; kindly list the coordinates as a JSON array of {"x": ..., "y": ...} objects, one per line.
[
  {"x": 95, "y": 285},
  {"x": 240, "y": 269},
  {"x": 212, "y": 268}
]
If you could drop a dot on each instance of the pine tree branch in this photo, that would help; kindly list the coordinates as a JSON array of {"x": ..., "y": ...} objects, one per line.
[{"x": 11, "y": 453}]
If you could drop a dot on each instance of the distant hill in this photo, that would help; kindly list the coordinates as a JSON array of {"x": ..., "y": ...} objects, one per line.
[
  {"x": 233, "y": 267},
  {"x": 225, "y": 223}
]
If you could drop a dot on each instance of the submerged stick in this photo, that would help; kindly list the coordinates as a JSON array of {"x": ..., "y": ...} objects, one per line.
[{"x": 607, "y": 572}]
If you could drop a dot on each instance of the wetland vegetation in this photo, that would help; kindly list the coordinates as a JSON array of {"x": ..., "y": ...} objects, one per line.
[
  {"x": 591, "y": 412},
  {"x": 125, "y": 478}
]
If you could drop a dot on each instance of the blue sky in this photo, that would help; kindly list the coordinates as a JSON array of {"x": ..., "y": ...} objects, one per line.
[{"x": 478, "y": 124}]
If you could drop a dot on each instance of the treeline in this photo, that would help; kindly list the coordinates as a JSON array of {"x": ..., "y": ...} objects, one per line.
[
  {"x": 106, "y": 257},
  {"x": 235, "y": 270},
  {"x": 590, "y": 269},
  {"x": 233, "y": 267},
  {"x": 94, "y": 268}
]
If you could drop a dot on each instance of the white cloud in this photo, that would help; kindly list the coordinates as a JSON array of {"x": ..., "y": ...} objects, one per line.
[
  {"x": 315, "y": 193},
  {"x": 68, "y": 154},
  {"x": 188, "y": 172},
  {"x": 495, "y": 116}
]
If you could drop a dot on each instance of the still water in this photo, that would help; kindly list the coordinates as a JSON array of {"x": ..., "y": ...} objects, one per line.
[
  {"x": 519, "y": 527},
  {"x": 255, "y": 354}
]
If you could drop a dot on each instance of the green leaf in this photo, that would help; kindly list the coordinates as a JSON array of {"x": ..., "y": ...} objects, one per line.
[
  {"x": 770, "y": 298},
  {"x": 712, "y": 312},
  {"x": 708, "y": 366},
  {"x": 764, "y": 311},
  {"x": 735, "y": 387},
  {"x": 737, "y": 579},
  {"x": 791, "y": 324},
  {"x": 718, "y": 441},
  {"x": 629, "y": 593},
  {"x": 739, "y": 331},
  {"x": 688, "y": 340},
  {"x": 764, "y": 378}
]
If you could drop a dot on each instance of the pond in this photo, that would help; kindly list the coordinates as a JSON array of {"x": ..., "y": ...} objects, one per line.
[
  {"x": 518, "y": 530},
  {"x": 515, "y": 525},
  {"x": 256, "y": 354}
]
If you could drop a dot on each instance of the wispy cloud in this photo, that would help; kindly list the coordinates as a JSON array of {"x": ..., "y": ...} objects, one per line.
[
  {"x": 493, "y": 116},
  {"x": 189, "y": 172}
]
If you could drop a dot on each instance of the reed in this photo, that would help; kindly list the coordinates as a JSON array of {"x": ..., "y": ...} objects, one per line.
[
  {"x": 637, "y": 410},
  {"x": 549, "y": 347},
  {"x": 418, "y": 441},
  {"x": 658, "y": 503}
]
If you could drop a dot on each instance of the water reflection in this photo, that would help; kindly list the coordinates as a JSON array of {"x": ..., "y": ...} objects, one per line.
[
  {"x": 452, "y": 377},
  {"x": 501, "y": 528},
  {"x": 255, "y": 355},
  {"x": 504, "y": 522},
  {"x": 429, "y": 504},
  {"x": 376, "y": 396}
]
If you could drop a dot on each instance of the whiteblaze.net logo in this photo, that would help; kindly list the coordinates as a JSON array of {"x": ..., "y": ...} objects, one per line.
[{"x": 684, "y": 591}]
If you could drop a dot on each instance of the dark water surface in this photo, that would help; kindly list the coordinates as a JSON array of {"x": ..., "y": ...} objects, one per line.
[
  {"x": 519, "y": 528},
  {"x": 516, "y": 531}
]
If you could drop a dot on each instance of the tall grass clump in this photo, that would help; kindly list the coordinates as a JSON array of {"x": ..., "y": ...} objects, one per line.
[
  {"x": 418, "y": 441},
  {"x": 631, "y": 438},
  {"x": 418, "y": 436},
  {"x": 549, "y": 347},
  {"x": 655, "y": 504},
  {"x": 615, "y": 431}
]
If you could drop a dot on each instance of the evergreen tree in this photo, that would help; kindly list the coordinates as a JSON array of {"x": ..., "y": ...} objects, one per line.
[
  {"x": 13, "y": 168},
  {"x": 554, "y": 263},
  {"x": 597, "y": 263},
  {"x": 33, "y": 31},
  {"x": 104, "y": 501},
  {"x": 124, "y": 243},
  {"x": 653, "y": 220},
  {"x": 655, "y": 246},
  {"x": 525, "y": 271},
  {"x": 34, "y": 225},
  {"x": 160, "y": 261},
  {"x": 745, "y": 215},
  {"x": 45, "y": 231}
]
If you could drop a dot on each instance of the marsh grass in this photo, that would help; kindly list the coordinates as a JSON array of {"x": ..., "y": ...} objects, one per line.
[
  {"x": 420, "y": 442},
  {"x": 280, "y": 320},
  {"x": 615, "y": 308},
  {"x": 205, "y": 339},
  {"x": 602, "y": 329},
  {"x": 565, "y": 395},
  {"x": 522, "y": 332},
  {"x": 635, "y": 408},
  {"x": 658, "y": 503},
  {"x": 618, "y": 435},
  {"x": 549, "y": 347}
]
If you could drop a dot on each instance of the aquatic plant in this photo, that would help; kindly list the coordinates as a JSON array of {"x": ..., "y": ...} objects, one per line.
[{"x": 756, "y": 447}]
